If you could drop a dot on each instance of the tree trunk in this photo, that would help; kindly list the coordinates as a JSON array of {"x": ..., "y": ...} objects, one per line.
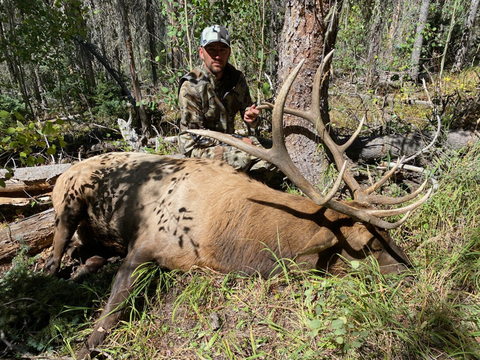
[
  {"x": 449, "y": 36},
  {"x": 113, "y": 73},
  {"x": 378, "y": 14},
  {"x": 17, "y": 65},
  {"x": 8, "y": 55},
  {"x": 139, "y": 107},
  {"x": 306, "y": 35},
  {"x": 466, "y": 35},
  {"x": 417, "y": 45},
  {"x": 151, "y": 40},
  {"x": 176, "y": 61},
  {"x": 397, "y": 5}
]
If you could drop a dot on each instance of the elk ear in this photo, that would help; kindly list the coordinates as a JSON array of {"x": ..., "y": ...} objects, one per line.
[{"x": 359, "y": 236}]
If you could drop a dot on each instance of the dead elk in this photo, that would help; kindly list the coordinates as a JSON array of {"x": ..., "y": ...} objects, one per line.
[{"x": 181, "y": 213}]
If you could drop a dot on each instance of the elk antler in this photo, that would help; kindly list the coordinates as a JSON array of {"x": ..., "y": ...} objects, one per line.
[{"x": 279, "y": 156}]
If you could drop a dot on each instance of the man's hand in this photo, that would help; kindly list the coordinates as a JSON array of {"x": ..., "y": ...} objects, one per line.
[
  {"x": 247, "y": 140},
  {"x": 251, "y": 115}
]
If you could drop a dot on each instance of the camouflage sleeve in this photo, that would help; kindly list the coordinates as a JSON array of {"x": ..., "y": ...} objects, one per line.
[{"x": 192, "y": 117}]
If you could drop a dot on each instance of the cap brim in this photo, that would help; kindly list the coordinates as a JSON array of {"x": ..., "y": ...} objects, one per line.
[{"x": 214, "y": 41}]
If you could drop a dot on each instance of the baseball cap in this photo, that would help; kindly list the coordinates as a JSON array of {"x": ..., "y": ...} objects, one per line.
[{"x": 215, "y": 33}]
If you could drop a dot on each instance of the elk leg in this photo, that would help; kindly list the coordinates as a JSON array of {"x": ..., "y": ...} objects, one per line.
[
  {"x": 65, "y": 226},
  {"x": 113, "y": 311}
]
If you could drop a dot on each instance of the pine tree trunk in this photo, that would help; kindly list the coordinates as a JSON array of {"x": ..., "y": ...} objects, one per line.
[
  {"x": 139, "y": 107},
  {"x": 305, "y": 35},
  {"x": 176, "y": 60},
  {"x": 151, "y": 39},
  {"x": 417, "y": 45},
  {"x": 397, "y": 8},
  {"x": 378, "y": 14}
]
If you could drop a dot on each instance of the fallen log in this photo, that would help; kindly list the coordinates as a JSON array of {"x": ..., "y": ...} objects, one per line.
[
  {"x": 16, "y": 188},
  {"x": 24, "y": 201},
  {"x": 35, "y": 232},
  {"x": 31, "y": 181},
  {"x": 378, "y": 147},
  {"x": 37, "y": 173}
]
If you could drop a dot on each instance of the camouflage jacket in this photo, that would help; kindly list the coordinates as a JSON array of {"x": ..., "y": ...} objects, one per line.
[{"x": 206, "y": 103}]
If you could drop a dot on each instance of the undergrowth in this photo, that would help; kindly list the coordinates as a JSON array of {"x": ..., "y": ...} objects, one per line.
[{"x": 431, "y": 312}]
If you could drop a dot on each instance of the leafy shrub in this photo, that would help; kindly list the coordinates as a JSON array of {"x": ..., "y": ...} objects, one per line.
[
  {"x": 107, "y": 101},
  {"x": 21, "y": 138},
  {"x": 12, "y": 105}
]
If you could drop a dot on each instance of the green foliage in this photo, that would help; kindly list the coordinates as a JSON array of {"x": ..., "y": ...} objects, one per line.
[
  {"x": 42, "y": 28},
  {"x": 24, "y": 138},
  {"x": 107, "y": 102},
  {"x": 32, "y": 307},
  {"x": 398, "y": 32},
  {"x": 12, "y": 105},
  {"x": 339, "y": 329},
  {"x": 37, "y": 46},
  {"x": 352, "y": 39},
  {"x": 169, "y": 92}
]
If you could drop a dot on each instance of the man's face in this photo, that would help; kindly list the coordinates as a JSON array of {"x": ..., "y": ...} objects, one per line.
[{"x": 215, "y": 57}]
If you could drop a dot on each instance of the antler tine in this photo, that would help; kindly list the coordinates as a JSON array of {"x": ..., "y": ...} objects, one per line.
[
  {"x": 386, "y": 200},
  {"x": 403, "y": 210},
  {"x": 230, "y": 140},
  {"x": 313, "y": 114},
  {"x": 350, "y": 141},
  {"x": 384, "y": 178}
]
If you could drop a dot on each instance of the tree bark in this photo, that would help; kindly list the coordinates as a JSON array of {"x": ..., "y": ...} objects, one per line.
[
  {"x": 397, "y": 5},
  {"x": 378, "y": 14},
  {"x": 140, "y": 108},
  {"x": 176, "y": 51},
  {"x": 36, "y": 232},
  {"x": 306, "y": 35},
  {"x": 149, "y": 14},
  {"x": 466, "y": 35},
  {"x": 8, "y": 55},
  {"x": 37, "y": 173},
  {"x": 417, "y": 45},
  {"x": 28, "y": 186}
]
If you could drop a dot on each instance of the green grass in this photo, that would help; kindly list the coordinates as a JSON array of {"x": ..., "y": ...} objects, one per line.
[{"x": 431, "y": 313}]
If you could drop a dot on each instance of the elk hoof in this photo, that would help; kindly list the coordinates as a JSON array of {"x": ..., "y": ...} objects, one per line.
[
  {"x": 91, "y": 265},
  {"x": 52, "y": 266}
]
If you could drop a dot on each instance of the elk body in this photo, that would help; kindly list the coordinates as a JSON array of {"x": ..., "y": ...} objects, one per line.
[{"x": 181, "y": 213}]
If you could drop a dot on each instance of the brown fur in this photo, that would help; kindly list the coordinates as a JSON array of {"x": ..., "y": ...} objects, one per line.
[{"x": 185, "y": 212}]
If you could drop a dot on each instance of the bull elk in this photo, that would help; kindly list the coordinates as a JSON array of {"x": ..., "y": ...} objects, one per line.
[{"x": 181, "y": 213}]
